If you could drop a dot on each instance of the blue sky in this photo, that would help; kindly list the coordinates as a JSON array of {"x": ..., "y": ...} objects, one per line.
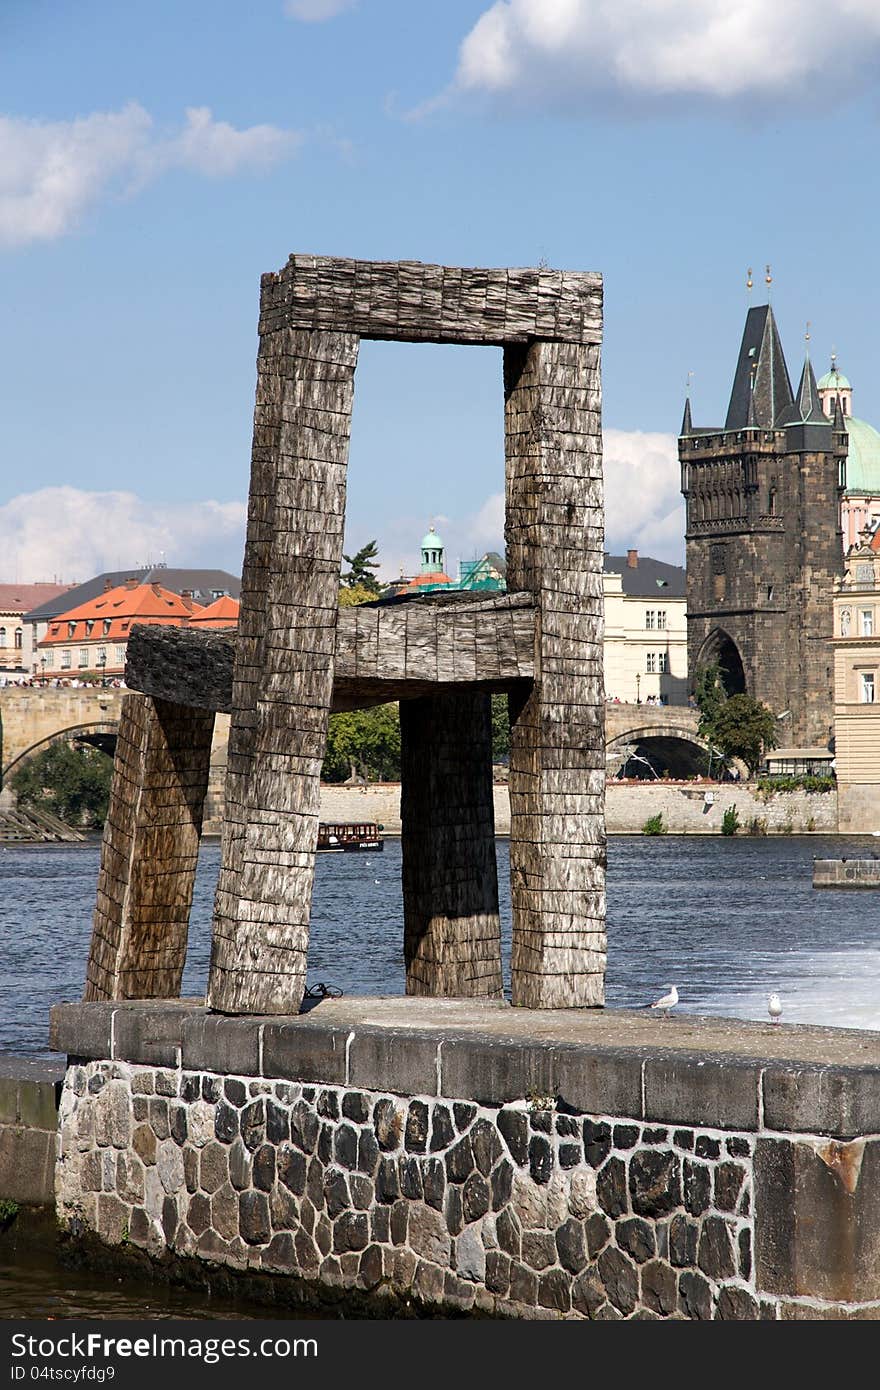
[{"x": 156, "y": 158}]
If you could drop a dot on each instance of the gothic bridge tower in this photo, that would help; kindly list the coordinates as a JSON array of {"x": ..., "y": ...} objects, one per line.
[{"x": 763, "y": 536}]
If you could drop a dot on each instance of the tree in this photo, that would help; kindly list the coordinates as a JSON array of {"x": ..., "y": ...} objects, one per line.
[
  {"x": 351, "y": 595},
  {"x": 361, "y": 569},
  {"x": 500, "y": 727},
  {"x": 70, "y": 781},
  {"x": 363, "y": 742},
  {"x": 744, "y": 728},
  {"x": 711, "y": 697}
]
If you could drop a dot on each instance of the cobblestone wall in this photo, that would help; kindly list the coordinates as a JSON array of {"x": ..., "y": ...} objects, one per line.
[{"x": 520, "y": 1209}]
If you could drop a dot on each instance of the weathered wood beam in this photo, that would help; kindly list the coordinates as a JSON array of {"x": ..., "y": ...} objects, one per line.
[
  {"x": 452, "y": 932},
  {"x": 283, "y": 674},
  {"x": 411, "y": 302},
  {"x": 383, "y": 652},
  {"x": 149, "y": 851},
  {"x": 554, "y": 542}
]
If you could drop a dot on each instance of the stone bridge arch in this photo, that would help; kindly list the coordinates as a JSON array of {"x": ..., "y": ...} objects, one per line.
[
  {"x": 669, "y": 745},
  {"x": 101, "y": 733},
  {"x": 32, "y": 717}
]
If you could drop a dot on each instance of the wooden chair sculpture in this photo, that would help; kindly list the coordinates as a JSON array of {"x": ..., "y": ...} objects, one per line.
[{"x": 296, "y": 656}]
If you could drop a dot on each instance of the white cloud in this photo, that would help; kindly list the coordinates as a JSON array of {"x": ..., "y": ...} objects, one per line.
[
  {"x": 644, "y": 510},
  {"x": 316, "y": 11},
  {"x": 51, "y": 172},
  {"x": 71, "y": 534},
  {"x": 715, "y": 48},
  {"x": 219, "y": 150}
]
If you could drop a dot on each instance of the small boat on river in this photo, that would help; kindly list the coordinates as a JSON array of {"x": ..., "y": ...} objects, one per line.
[{"x": 345, "y": 836}]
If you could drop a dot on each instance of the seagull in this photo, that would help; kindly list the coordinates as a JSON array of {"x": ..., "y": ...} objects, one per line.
[
  {"x": 774, "y": 1007},
  {"x": 667, "y": 1002}
]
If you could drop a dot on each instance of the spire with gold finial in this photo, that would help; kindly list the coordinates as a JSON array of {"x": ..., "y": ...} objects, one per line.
[
  {"x": 686, "y": 425},
  {"x": 749, "y": 282},
  {"x": 768, "y": 281}
]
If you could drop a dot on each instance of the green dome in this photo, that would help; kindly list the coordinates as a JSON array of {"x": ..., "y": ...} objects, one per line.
[
  {"x": 431, "y": 541},
  {"x": 863, "y": 459},
  {"x": 834, "y": 380}
]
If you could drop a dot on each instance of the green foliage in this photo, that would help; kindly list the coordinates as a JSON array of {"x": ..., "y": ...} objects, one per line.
[
  {"x": 756, "y": 826},
  {"x": 743, "y": 728},
  {"x": 781, "y": 783},
  {"x": 362, "y": 570},
  {"x": 68, "y": 780},
  {"x": 500, "y": 727},
  {"x": 654, "y": 825},
  {"x": 730, "y": 821},
  {"x": 710, "y": 696},
  {"x": 8, "y": 1212},
  {"x": 364, "y": 742},
  {"x": 351, "y": 595}
]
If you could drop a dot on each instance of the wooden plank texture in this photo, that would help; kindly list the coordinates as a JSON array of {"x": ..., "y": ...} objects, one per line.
[
  {"x": 382, "y": 653},
  {"x": 149, "y": 851},
  {"x": 409, "y": 301},
  {"x": 452, "y": 932},
  {"x": 553, "y": 535},
  {"x": 283, "y": 675}
]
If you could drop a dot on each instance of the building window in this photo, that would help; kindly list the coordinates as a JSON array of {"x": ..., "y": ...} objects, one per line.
[
  {"x": 90, "y": 623},
  {"x": 65, "y": 659},
  {"x": 101, "y": 657},
  {"x": 18, "y": 635},
  {"x": 866, "y": 622},
  {"x": 71, "y": 629},
  {"x": 83, "y": 658},
  {"x": 120, "y": 656},
  {"x": 769, "y": 593},
  {"x": 218, "y": 593},
  {"x": 2, "y": 636},
  {"x": 661, "y": 617},
  {"x": 650, "y": 663},
  {"x": 867, "y": 687},
  {"x": 49, "y": 658},
  {"x": 649, "y": 617},
  {"x": 107, "y": 622},
  {"x": 663, "y": 663}
]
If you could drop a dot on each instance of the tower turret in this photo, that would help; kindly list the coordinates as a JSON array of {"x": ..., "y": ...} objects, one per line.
[{"x": 834, "y": 386}]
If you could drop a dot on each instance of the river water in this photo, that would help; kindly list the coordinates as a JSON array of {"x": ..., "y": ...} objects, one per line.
[{"x": 727, "y": 920}]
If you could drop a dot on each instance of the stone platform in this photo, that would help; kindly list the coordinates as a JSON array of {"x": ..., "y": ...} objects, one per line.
[
  {"x": 846, "y": 873},
  {"x": 579, "y": 1164}
]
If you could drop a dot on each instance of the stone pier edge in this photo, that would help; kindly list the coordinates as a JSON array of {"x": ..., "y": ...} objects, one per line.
[{"x": 725, "y": 1089}]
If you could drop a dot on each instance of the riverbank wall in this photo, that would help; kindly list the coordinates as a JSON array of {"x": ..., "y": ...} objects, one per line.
[
  {"x": 576, "y": 1164},
  {"x": 687, "y": 808},
  {"x": 29, "y": 1097}
]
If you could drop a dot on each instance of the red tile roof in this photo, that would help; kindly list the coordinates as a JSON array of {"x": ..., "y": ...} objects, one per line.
[
  {"x": 422, "y": 579},
  {"x": 223, "y": 612},
  {"x": 111, "y": 614},
  {"x": 21, "y": 598}
]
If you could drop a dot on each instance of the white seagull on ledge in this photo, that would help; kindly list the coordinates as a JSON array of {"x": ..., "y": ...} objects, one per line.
[
  {"x": 774, "y": 1007},
  {"x": 667, "y": 1002}
]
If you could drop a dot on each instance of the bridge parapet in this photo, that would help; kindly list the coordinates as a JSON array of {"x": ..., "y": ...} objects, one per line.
[
  {"x": 31, "y": 716},
  {"x": 658, "y": 721}
]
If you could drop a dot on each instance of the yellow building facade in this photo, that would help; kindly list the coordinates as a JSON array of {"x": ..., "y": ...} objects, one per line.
[
  {"x": 856, "y": 645},
  {"x": 645, "y": 645}
]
